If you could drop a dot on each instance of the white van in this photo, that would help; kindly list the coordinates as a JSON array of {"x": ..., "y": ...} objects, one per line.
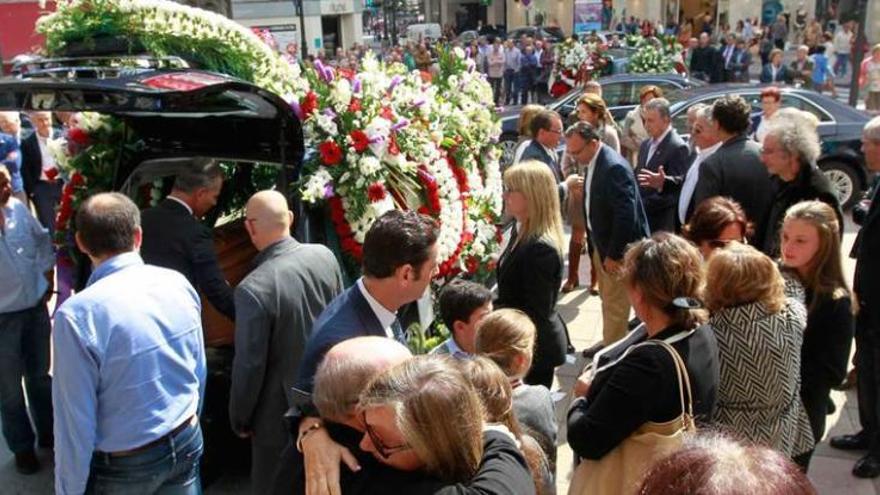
[{"x": 419, "y": 32}]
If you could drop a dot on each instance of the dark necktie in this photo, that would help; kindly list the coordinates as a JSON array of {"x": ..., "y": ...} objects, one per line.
[{"x": 397, "y": 330}]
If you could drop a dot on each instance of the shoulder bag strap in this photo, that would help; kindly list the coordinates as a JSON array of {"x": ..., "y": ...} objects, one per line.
[{"x": 684, "y": 382}]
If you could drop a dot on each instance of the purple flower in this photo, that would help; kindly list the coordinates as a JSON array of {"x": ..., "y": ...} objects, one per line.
[
  {"x": 419, "y": 102},
  {"x": 400, "y": 125},
  {"x": 329, "y": 113},
  {"x": 328, "y": 191},
  {"x": 394, "y": 82},
  {"x": 329, "y": 74},
  {"x": 297, "y": 110},
  {"x": 356, "y": 85}
]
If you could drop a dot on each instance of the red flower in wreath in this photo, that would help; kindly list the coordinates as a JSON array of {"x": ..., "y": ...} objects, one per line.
[
  {"x": 77, "y": 180},
  {"x": 360, "y": 141},
  {"x": 78, "y": 137},
  {"x": 331, "y": 153},
  {"x": 392, "y": 145},
  {"x": 309, "y": 104},
  {"x": 387, "y": 114},
  {"x": 376, "y": 192},
  {"x": 355, "y": 105}
]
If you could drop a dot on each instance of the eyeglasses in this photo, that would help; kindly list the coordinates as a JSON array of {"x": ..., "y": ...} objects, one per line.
[
  {"x": 554, "y": 131},
  {"x": 384, "y": 451}
]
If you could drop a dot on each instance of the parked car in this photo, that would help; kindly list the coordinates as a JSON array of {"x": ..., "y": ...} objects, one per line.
[
  {"x": 554, "y": 34},
  {"x": 840, "y": 129},
  {"x": 621, "y": 94}
]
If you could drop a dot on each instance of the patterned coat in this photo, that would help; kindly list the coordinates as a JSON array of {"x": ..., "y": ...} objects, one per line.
[{"x": 760, "y": 361}]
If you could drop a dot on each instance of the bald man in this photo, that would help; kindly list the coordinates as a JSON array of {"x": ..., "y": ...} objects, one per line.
[{"x": 275, "y": 306}]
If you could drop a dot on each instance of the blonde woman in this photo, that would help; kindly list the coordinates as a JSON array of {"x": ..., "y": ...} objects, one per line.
[
  {"x": 591, "y": 109},
  {"x": 507, "y": 337},
  {"x": 530, "y": 268},
  {"x": 760, "y": 333},
  {"x": 424, "y": 415}
]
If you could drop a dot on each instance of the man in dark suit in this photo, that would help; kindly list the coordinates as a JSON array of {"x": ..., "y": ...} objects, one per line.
[
  {"x": 866, "y": 286},
  {"x": 740, "y": 63},
  {"x": 615, "y": 217},
  {"x": 665, "y": 151},
  {"x": 546, "y": 129},
  {"x": 728, "y": 54},
  {"x": 174, "y": 238},
  {"x": 735, "y": 170},
  {"x": 39, "y": 171},
  {"x": 275, "y": 305},
  {"x": 400, "y": 258}
]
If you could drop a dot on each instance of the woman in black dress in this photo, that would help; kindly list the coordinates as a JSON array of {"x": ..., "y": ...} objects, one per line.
[
  {"x": 810, "y": 245},
  {"x": 530, "y": 268}
]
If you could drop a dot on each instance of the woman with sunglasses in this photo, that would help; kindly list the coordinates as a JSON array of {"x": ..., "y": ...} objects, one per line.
[
  {"x": 715, "y": 223},
  {"x": 424, "y": 417},
  {"x": 530, "y": 268}
]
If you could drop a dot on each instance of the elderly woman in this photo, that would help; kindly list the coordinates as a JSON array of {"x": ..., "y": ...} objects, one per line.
[
  {"x": 715, "y": 223},
  {"x": 771, "y": 101},
  {"x": 636, "y": 385},
  {"x": 530, "y": 268},
  {"x": 760, "y": 333},
  {"x": 775, "y": 71},
  {"x": 790, "y": 150}
]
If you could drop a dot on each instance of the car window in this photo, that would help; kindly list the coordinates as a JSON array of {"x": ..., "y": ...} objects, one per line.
[
  {"x": 666, "y": 86},
  {"x": 618, "y": 94},
  {"x": 791, "y": 101}
]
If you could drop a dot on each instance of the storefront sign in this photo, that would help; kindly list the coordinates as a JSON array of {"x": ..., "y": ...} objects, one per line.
[{"x": 587, "y": 16}]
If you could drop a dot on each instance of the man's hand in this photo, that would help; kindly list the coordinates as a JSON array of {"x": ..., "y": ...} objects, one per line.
[
  {"x": 651, "y": 179},
  {"x": 612, "y": 266},
  {"x": 574, "y": 183},
  {"x": 322, "y": 457},
  {"x": 582, "y": 385}
]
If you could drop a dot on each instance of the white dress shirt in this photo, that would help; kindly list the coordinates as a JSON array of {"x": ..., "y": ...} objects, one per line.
[
  {"x": 190, "y": 210},
  {"x": 690, "y": 181},
  {"x": 386, "y": 318},
  {"x": 655, "y": 143},
  {"x": 47, "y": 158},
  {"x": 588, "y": 182}
]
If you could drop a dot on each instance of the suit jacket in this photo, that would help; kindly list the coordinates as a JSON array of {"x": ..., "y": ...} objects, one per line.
[
  {"x": 673, "y": 155},
  {"x": 739, "y": 66},
  {"x": 31, "y": 162},
  {"x": 617, "y": 216},
  {"x": 796, "y": 76},
  {"x": 349, "y": 315},
  {"x": 535, "y": 151},
  {"x": 809, "y": 184},
  {"x": 174, "y": 239},
  {"x": 782, "y": 75},
  {"x": 866, "y": 282},
  {"x": 529, "y": 277},
  {"x": 276, "y": 305},
  {"x": 605, "y": 417},
  {"x": 735, "y": 170}
]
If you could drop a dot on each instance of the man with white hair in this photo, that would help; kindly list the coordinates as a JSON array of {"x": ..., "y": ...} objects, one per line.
[
  {"x": 866, "y": 285},
  {"x": 10, "y": 152},
  {"x": 275, "y": 306},
  {"x": 790, "y": 150},
  {"x": 39, "y": 170}
]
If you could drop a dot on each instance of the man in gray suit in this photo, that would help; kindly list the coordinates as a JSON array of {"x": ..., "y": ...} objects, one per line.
[{"x": 275, "y": 304}]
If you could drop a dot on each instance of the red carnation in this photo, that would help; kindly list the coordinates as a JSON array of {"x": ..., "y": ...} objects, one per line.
[
  {"x": 331, "y": 153},
  {"x": 392, "y": 145},
  {"x": 472, "y": 264},
  {"x": 52, "y": 174},
  {"x": 387, "y": 114},
  {"x": 337, "y": 213},
  {"x": 77, "y": 180},
  {"x": 376, "y": 192},
  {"x": 355, "y": 105},
  {"x": 360, "y": 141},
  {"x": 309, "y": 104},
  {"x": 78, "y": 137}
]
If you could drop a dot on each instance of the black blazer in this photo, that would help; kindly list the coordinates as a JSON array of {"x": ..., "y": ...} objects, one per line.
[
  {"x": 810, "y": 184},
  {"x": 643, "y": 387},
  {"x": 174, "y": 239},
  {"x": 529, "y": 277},
  {"x": 617, "y": 216},
  {"x": 735, "y": 170},
  {"x": 31, "y": 162},
  {"x": 866, "y": 283},
  {"x": 535, "y": 151},
  {"x": 673, "y": 155},
  {"x": 349, "y": 315}
]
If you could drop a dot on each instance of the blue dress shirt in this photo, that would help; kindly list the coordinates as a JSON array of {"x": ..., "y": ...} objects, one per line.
[
  {"x": 25, "y": 254},
  {"x": 129, "y": 360},
  {"x": 10, "y": 156}
]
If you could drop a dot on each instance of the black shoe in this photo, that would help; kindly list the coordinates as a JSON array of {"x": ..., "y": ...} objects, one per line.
[
  {"x": 867, "y": 467},
  {"x": 26, "y": 462},
  {"x": 47, "y": 442},
  {"x": 592, "y": 350},
  {"x": 858, "y": 441}
]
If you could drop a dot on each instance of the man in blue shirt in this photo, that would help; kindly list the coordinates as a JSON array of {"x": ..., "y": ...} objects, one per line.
[
  {"x": 26, "y": 261},
  {"x": 10, "y": 157},
  {"x": 129, "y": 366}
]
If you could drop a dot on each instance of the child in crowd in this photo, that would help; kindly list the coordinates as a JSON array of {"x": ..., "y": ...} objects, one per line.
[
  {"x": 507, "y": 337},
  {"x": 462, "y": 305}
]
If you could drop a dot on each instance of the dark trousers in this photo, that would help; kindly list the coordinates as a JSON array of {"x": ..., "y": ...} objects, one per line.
[
  {"x": 24, "y": 353},
  {"x": 511, "y": 87},
  {"x": 495, "y": 82},
  {"x": 264, "y": 465},
  {"x": 46, "y": 197},
  {"x": 868, "y": 384}
]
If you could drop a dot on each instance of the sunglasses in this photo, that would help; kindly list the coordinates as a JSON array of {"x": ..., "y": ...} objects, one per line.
[{"x": 383, "y": 450}]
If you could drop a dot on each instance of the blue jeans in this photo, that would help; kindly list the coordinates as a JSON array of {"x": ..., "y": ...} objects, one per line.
[
  {"x": 511, "y": 87},
  {"x": 171, "y": 467},
  {"x": 840, "y": 64},
  {"x": 24, "y": 353}
]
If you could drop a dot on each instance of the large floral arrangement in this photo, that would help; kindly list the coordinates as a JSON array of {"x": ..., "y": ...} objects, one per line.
[
  {"x": 387, "y": 138},
  {"x": 576, "y": 63},
  {"x": 382, "y": 137},
  {"x": 655, "y": 55}
]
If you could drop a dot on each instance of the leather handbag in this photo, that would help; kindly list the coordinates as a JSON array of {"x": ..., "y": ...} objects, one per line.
[{"x": 621, "y": 470}]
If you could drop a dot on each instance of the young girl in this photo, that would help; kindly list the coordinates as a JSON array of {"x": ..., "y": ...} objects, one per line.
[
  {"x": 811, "y": 249},
  {"x": 507, "y": 337}
]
